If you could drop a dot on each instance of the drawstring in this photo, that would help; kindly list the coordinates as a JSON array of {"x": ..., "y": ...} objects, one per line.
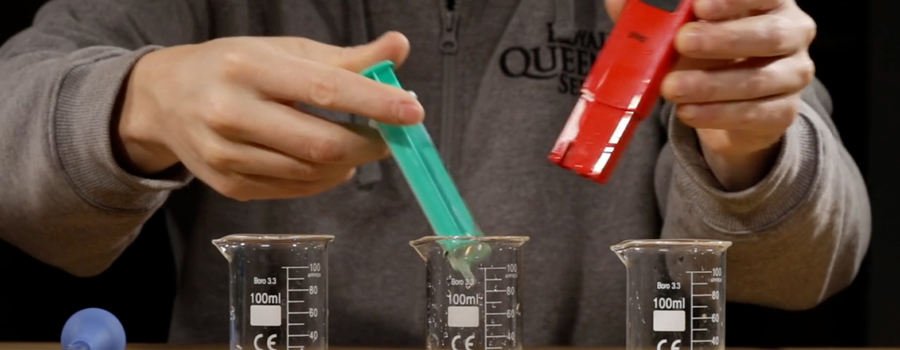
[
  {"x": 564, "y": 24},
  {"x": 369, "y": 173},
  {"x": 602, "y": 16}
]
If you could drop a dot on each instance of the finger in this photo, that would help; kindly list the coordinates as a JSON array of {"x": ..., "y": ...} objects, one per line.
[
  {"x": 261, "y": 187},
  {"x": 284, "y": 77},
  {"x": 391, "y": 46},
  {"x": 749, "y": 80},
  {"x": 771, "y": 114},
  {"x": 251, "y": 187},
  {"x": 614, "y": 8},
  {"x": 225, "y": 156},
  {"x": 758, "y": 36},
  {"x": 214, "y": 161},
  {"x": 258, "y": 160},
  {"x": 716, "y": 10},
  {"x": 300, "y": 135},
  {"x": 736, "y": 142},
  {"x": 688, "y": 63}
]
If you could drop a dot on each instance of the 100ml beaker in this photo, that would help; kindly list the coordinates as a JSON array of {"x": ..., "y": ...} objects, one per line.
[
  {"x": 278, "y": 289},
  {"x": 675, "y": 293},
  {"x": 473, "y": 292}
]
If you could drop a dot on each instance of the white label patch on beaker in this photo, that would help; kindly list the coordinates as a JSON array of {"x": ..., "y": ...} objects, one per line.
[
  {"x": 265, "y": 315},
  {"x": 668, "y": 321},
  {"x": 462, "y": 316}
]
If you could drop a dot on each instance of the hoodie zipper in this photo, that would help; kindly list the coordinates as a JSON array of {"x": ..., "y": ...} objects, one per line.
[{"x": 449, "y": 47}]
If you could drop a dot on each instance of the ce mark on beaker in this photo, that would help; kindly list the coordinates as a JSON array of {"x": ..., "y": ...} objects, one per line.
[
  {"x": 270, "y": 342},
  {"x": 675, "y": 345},
  {"x": 468, "y": 343}
]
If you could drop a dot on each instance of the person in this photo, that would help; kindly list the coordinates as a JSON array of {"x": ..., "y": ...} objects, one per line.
[{"x": 236, "y": 116}]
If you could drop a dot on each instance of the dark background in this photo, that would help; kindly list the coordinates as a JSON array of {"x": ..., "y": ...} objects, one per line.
[{"x": 855, "y": 54}]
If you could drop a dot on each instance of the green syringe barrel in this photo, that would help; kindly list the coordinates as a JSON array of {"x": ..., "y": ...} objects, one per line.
[{"x": 421, "y": 165}]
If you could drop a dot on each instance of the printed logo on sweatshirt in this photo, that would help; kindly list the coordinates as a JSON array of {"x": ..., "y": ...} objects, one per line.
[{"x": 566, "y": 60}]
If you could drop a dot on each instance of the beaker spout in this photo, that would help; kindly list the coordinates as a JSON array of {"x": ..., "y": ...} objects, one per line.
[
  {"x": 225, "y": 246},
  {"x": 421, "y": 249},
  {"x": 620, "y": 251}
]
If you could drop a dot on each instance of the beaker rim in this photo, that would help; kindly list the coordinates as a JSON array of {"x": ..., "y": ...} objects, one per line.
[
  {"x": 673, "y": 242},
  {"x": 273, "y": 238},
  {"x": 487, "y": 239}
]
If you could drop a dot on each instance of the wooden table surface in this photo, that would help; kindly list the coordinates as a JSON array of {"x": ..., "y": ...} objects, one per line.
[{"x": 55, "y": 346}]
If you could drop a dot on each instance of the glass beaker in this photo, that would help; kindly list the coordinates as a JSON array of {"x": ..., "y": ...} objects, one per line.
[
  {"x": 473, "y": 292},
  {"x": 278, "y": 289},
  {"x": 675, "y": 293}
]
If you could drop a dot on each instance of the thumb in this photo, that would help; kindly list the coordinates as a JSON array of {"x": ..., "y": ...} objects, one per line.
[
  {"x": 390, "y": 46},
  {"x": 614, "y": 8}
]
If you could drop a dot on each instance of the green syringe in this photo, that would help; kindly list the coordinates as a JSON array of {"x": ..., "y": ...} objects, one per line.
[{"x": 421, "y": 165}]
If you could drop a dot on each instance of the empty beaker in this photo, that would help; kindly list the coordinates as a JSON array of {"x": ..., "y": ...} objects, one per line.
[
  {"x": 473, "y": 290},
  {"x": 278, "y": 289},
  {"x": 675, "y": 292}
]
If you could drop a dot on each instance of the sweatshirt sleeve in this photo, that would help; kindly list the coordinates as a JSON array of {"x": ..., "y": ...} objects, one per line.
[
  {"x": 63, "y": 197},
  {"x": 799, "y": 235}
]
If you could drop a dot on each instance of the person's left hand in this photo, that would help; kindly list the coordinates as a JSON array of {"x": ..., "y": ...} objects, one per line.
[{"x": 743, "y": 65}]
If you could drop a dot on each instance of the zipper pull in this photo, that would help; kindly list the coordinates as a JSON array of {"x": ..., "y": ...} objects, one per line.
[{"x": 448, "y": 38}]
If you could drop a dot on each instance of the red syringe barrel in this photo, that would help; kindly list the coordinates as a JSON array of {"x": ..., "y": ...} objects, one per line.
[{"x": 622, "y": 87}]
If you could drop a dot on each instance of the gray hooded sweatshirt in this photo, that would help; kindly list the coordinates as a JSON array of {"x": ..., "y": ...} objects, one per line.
[{"x": 498, "y": 83}]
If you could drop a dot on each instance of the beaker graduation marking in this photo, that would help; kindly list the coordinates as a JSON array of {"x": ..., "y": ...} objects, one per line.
[
  {"x": 498, "y": 286},
  {"x": 697, "y": 321},
  {"x": 310, "y": 312}
]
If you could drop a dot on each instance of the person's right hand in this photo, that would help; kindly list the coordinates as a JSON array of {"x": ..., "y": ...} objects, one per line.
[{"x": 224, "y": 109}]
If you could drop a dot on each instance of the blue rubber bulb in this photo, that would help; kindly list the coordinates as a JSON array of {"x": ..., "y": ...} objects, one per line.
[{"x": 93, "y": 329}]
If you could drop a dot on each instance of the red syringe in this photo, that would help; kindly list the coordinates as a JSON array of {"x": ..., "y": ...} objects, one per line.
[{"x": 622, "y": 87}]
